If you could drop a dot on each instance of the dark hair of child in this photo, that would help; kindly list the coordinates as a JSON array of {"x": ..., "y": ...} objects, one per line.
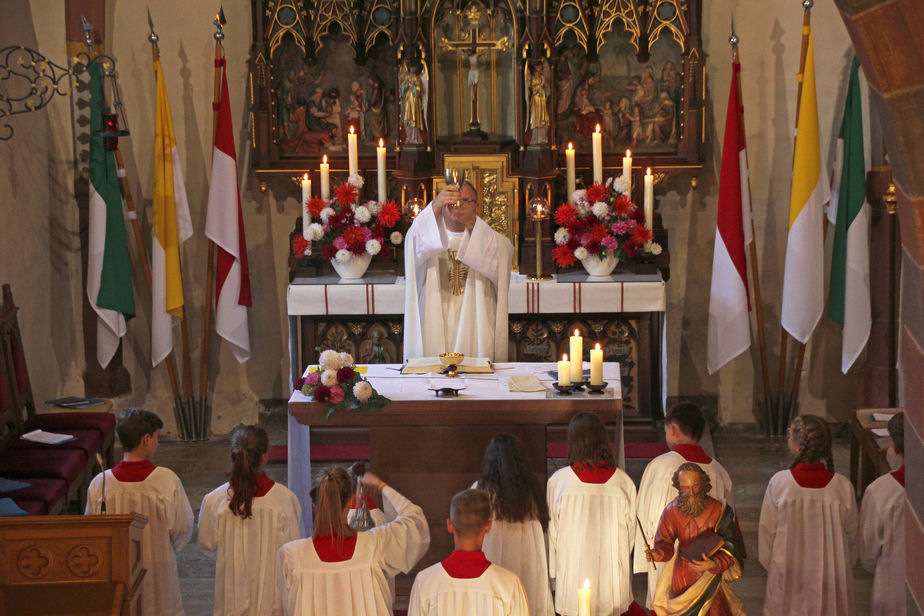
[
  {"x": 133, "y": 423},
  {"x": 248, "y": 444},
  {"x": 516, "y": 494}
]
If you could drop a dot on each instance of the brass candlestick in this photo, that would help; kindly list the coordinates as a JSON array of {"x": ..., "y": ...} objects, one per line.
[{"x": 539, "y": 211}]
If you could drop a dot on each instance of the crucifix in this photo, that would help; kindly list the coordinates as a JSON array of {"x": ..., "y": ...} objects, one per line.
[{"x": 473, "y": 48}]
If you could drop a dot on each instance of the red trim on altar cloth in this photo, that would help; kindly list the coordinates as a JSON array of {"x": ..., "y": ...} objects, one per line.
[
  {"x": 326, "y": 309},
  {"x": 622, "y": 296}
]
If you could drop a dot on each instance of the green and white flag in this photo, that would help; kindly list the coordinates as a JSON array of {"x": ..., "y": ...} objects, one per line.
[
  {"x": 109, "y": 276},
  {"x": 849, "y": 294}
]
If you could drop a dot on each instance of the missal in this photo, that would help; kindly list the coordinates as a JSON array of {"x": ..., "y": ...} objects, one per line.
[
  {"x": 708, "y": 543},
  {"x": 426, "y": 365},
  {"x": 47, "y": 438}
]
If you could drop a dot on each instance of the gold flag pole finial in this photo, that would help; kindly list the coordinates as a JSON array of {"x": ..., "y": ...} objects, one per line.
[
  {"x": 219, "y": 22},
  {"x": 152, "y": 37}
]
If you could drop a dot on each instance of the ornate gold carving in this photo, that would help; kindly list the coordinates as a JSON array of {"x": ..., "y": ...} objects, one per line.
[
  {"x": 83, "y": 560},
  {"x": 516, "y": 327},
  {"x": 357, "y": 328},
  {"x": 596, "y": 327},
  {"x": 34, "y": 561},
  {"x": 286, "y": 17},
  {"x": 557, "y": 327},
  {"x": 396, "y": 328},
  {"x": 328, "y": 12},
  {"x": 379, "y": 21},
  {"x": 458, "y": 274},
  {"x": 623, "y": 10},
  {"x": 669, "y": 15},
  {"x": 570, "y": 18}
]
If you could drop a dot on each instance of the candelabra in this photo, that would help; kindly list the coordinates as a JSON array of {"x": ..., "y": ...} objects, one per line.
[{"x": 538, "y": 211}]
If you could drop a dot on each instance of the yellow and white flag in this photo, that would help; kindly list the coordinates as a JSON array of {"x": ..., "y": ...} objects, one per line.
[
  {"x": 171, "y": 227},
  {"x": 804, "y": 278}
]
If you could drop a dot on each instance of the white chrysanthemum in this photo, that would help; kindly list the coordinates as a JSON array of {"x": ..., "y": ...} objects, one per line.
[
  {"x": 343, "y": 255},
  {"x": 330, "y": 360},
  {"x": 362, "y": 214},
  {"x": 374, "y": 207},
  {"x": 608, "y": 182},
  {"x": 362, "y": 391},
  {"x": 356, "y": 180},
  {"x": 621, "y": 185},
  {"x": 326, "y": 213},
  {"x": 315, "y": 232},
  {"x": 396, "y": 237},
  {"x": 562, "y": 236},
  {"x": 373, "y": 247},
  {"x": 346, "y": 359},
  {"x": 654, "y": 248},
  {"x": 600, "y": 209},
  {"x": 329, "y": 378},
  {"x": 580, "y": 253},
  {"x": 578, "y": 196}
]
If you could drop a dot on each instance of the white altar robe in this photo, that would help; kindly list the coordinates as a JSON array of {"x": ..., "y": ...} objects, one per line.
[
  {"x": 591, "y": 532},
  {"x": 435, "y": 320},
  {"x": 655, "y": 491},
  {"x": 245, "y": 550},
  {"x": 357, "y": 586},
  {"x": 882, "y": 544},
  {"x": 520, "y": 547},
  {"x": 496, "y": 592},
  {"x": 162, "y": 499},
  {"x": 807, "y": 542}
]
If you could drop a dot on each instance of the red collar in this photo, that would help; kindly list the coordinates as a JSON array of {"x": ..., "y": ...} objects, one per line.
[
  {"x": 131, "y": 472},
  {"x": 900, "y": 475},
  {"x": 693, "y": 453},
  {"x": 466, "y": 565},
  {"x": 264, "y": 484},
  {"x": 370, "y": 505},
  {"x": 811, "y": 475},
  {"x": 591, "y": 473},
  {"x": 326, "y": 547}
]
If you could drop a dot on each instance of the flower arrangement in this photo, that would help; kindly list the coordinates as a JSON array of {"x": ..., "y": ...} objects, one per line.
[
  {"x": 601, "y": 220},
  {"x": 343, "y": 228},
  {"x": 338, "y": 384}
]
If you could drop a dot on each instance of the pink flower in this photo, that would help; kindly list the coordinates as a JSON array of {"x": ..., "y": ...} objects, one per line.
[
  {"x": 314, "y": 378},
  {"x": 610, "y": 243},
  {"x": 340, "y": 243},
  {"x": 336, "y": 394}
]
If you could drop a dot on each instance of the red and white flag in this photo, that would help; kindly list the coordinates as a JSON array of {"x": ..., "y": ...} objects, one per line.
[
  {"x": 224, "y": 225},
  {"x": 729, "y": 330}
]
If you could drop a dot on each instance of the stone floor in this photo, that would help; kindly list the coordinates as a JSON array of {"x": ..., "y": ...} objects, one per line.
[{"x": 750, "y": 459}]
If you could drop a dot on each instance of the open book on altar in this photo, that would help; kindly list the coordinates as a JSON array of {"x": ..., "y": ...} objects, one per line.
[{"x": 426, "y": 365}]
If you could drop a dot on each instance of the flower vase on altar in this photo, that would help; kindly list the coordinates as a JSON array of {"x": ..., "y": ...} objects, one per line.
[
  {"x": 599, "y": 265},
  {"x": 352, "y": 268}
]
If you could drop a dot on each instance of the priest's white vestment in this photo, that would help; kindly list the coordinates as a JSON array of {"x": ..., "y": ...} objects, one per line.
[
  {"x": 438, "y": 321},
  {"x": 245, "y": 550},
  {"x": 496, "y": 592},
  {"x": 162, "y": 499},
  {"x": 655, "y": 491},
  {"x": 591, "y": 532},
  {"x": 807, "y": 542},
  {"x": 357, "y": 586},
  {"x": 882, "y": 544}
]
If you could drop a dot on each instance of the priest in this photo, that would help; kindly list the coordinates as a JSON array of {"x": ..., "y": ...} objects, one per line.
[{"x": 458, "y": 273}]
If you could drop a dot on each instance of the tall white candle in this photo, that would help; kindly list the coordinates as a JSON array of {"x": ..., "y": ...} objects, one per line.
[
  {"x": 351, "y": 151},
  {"x": 569, "y": 173},
  {"x": 564, "y": 371},
  {"x": 577, "y": 353},
  {"x": 325, "y": 179},
  {"x": 627, "y": 171},
  {"x": 596, "y": 365},
  {"x": 584, "y": 599},
  {"x": 649, "y": 199},
  {"x": 380, "y": 163},
  {"x": 306, "y": 195},
  {"x": 597, "y": 138}
]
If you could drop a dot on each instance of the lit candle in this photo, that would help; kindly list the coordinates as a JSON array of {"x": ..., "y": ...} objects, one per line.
[
  {"x": 649, "y": 199},
  {"x": 380, "y": 160},
  {"x": 577, "y": 353},
  {"x": 627, "y": 171},
  {"x": 569, "y": 166},
  {"x": 584, "y": 599},
  {"x": 564, "y": 371},
  {"x": 597, "y": 137},
  {"x": 306, "y": 195},
  {"x": 351, "y": 151},
  {"x": 325, "y": 179},
  {"x": 596, "y": 365}
]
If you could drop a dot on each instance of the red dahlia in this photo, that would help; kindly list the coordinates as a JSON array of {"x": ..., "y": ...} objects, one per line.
[
  {"x": 299, "y": 245},
  {"x": 565, "y": 215},
  {"x": 345, "y": 194},
  {"x": 595, "y": 193},
  {"x": 563, "y": 256},
  {"x": 315, "y": 205},
  {"x": 390, "y": 214}
]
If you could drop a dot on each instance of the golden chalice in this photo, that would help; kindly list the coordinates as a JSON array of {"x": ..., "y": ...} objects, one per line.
[{"x": 451, "y": 361}]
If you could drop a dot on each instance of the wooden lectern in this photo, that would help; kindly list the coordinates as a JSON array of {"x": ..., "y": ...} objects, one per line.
[{"x": 73, "y": 564}]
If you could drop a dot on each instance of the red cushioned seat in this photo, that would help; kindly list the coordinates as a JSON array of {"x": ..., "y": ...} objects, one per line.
[
  {"x": 66, "y": 464},
  {"x": 87, "y": 441},
  {"x": 48, "y": 491},
  {"x": 104, "y": 423},
  {"x": 32, "y": 507}
]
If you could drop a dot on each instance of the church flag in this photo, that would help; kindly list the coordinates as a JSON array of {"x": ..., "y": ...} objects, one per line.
[
  {"x": 729, "y": 327},
  {"x": 224, "y": 225},
  {"x": 849, "y": 293},
  {"x": 172, "y": 225},
  {"x": 803, "y": 274},
  {"x": 109, "y": 276}
]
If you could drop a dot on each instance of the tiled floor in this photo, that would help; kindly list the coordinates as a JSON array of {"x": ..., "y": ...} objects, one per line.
[{"x": 750, "y": 459}]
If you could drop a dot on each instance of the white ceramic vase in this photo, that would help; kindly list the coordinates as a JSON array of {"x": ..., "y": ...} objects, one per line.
[
  {"x": 595, "y": 266},
  {"x": 354, "y": 268}
]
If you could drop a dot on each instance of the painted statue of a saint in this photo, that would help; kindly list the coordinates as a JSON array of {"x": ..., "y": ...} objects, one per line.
[
  {"x": 537, "y": 99},
  {"x": 413, "y": 96}
]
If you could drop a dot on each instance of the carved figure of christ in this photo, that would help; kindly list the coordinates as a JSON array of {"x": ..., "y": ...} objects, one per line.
[{"x": 474, "y": 49}]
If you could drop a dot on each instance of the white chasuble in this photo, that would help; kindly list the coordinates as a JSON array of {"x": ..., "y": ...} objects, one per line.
[
  {"x": 882, "y": 544},
  {"x": 496, "y": 592},
  {"x": 161, "y": 498},
  {"x": 807, "y": 542},
  {"x": 455, "y": 307},
  {"x": 245, "y": 550}
]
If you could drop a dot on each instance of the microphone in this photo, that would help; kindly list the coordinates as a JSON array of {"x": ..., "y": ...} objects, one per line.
[{"x": 102, "y": 466}]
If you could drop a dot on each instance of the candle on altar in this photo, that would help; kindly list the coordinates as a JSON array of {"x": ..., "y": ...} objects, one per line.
[
  {"x": 596, "y": 365},
  {"x": 577, "y": 353},
  {"x": 649, "y": 199},
  {"x": 380, "y": 162},
  {"x": 325, "y": 179},
  {"x": 352, "y": 153},
  {"x": 306, "y": 195},
  {"x": 584, "y": 599},
  {"x": 627, "y": 171},
  {"x": 597, "y": 138},
  {"x": 564, "y": 371},
  {"x": 569, "y": 167}
]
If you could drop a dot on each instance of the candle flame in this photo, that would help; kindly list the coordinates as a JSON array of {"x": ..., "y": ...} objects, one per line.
[
  {"x": 381, "y": 141},
  {"x": 628, "y": 153},
  {"x": 597, "y": 130},
  {"x": 351, "y": 129},
  {"x": 577, "y": 333},
  {"x": 570, "y": 146},
  {"x": 597, "y": 347},
  {"x": 305, "y": 177},
  {"x": 564, "y": 357},
  {"x": 586, "y": 584},
  {"x": 324, "y": 159},
  {"x": 648, "y": 171}
]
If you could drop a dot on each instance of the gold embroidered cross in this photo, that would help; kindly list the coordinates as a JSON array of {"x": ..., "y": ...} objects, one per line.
[{"x": 458, "y": 274}]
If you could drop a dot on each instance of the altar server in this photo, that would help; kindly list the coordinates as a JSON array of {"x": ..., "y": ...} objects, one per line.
[
  {"x": 340, "y": 571},
  {"x": 882, "y": 532},
  {"x": 467, "y": 582},
  {"x": 244, "y": 522},
  {"x": 520, "y": 518},
  {"x": 807, "y": 538},
  {"x": 684, "y": 425},
  {"x": 458, "y": 273},
  {"x": 136, "y": 485},
  {"x": 591, "y": 523}
]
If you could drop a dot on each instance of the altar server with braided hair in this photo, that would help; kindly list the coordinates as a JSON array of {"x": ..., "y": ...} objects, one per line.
[{"x": 244, "y": 522}]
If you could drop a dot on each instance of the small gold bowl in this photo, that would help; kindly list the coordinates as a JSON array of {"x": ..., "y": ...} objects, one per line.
[{"x": 451, "y": 361}]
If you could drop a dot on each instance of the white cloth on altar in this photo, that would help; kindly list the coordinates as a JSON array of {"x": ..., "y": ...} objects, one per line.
[
  {"x": 882, "y": 544},
  {"x": 161, "y": 498},
  {"x": 807, "y": 542},
  {"x": 435, "y": 320},
  {"x": 655, "y": 492},
  {"x": 496, "y": 592},
  {"x": 245, "y": 550},
  {"x": 357, "y": 586},
  {"x": 591, "y": 532}
]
